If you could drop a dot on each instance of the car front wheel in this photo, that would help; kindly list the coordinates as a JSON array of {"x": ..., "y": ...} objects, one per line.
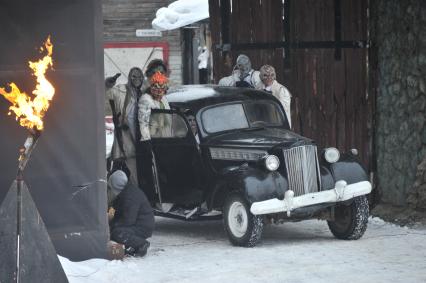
[
  {"x": 243, "y": 228},
  {"x": 351, "y": 220}
]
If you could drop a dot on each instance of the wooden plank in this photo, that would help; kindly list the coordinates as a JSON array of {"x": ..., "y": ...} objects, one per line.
[
  {"x": 215, "y": 27},
  {"x": 329, "y": 97}
]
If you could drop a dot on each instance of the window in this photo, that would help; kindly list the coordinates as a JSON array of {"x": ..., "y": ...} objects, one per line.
[
  {"x": 167, "y": 125},
  {"x": 241, "y": 116},
  {"x": 263, "y": 113},
  {"x": 224, "y": 117}
]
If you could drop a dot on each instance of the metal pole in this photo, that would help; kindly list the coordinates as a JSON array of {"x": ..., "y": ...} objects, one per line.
[
  {"x": 19, "y": 181},
  {"x": 24, "y": 156}
]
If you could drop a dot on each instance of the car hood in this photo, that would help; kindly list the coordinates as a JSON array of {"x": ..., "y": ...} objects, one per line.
[{"x": 260, "y": 137}]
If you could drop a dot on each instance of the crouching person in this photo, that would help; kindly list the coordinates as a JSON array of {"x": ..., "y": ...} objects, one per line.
[{"x": 133, "y": 220}]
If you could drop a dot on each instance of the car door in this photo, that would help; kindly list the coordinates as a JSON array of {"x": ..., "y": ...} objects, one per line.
[{"x": 177, "y": 158}]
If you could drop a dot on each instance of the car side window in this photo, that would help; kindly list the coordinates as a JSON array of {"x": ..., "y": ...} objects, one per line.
[{"x": 167, "y": 125}]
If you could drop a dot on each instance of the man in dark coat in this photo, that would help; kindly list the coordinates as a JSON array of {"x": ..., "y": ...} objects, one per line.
[{"x": 133, "y": 220}]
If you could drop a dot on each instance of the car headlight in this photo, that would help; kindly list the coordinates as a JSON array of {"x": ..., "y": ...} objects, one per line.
[
  {"x": 331, "y": 154},
  {"x": 272, "y": 162}
]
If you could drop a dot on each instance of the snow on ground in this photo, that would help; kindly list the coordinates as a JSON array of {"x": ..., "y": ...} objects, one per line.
[{"x": 291, "y": 252}]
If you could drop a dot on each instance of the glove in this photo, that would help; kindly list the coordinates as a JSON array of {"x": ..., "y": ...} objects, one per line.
[{"x": 110, "y": 81}]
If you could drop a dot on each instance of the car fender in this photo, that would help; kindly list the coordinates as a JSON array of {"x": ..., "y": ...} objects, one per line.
[
  {"x": 257, "y": 184},
  {"x": 327, "y": 179},
  {"x": 349, "y": 169}
]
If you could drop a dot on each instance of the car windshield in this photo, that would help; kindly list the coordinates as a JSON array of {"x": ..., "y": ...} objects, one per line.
[{"x": 241, "y": 116}]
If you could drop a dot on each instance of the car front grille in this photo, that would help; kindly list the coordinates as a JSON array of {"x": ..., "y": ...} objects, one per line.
[
  {"x": 302, "y": 169},
  {"x": 237, "y": 154}
]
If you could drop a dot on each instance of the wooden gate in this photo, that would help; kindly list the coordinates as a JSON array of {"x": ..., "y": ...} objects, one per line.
[{"x": 319, "y": 51}]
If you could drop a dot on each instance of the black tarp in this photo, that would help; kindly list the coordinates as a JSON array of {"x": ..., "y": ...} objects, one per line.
[
  {"x": 71, "y": 149},
  {"x": 37, "y": 257}
]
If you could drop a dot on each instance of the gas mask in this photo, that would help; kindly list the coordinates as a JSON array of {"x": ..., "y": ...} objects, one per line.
[{"x": 244, "y": 65}]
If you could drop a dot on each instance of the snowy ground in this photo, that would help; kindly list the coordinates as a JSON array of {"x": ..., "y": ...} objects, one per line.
[{"x": 292, "y": 252}]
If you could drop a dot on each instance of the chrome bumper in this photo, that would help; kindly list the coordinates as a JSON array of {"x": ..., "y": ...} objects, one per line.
[{"x": 341, "y": 192}]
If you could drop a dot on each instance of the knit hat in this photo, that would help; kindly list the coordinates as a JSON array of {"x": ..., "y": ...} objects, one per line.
[{"x": 117, "y": 181}]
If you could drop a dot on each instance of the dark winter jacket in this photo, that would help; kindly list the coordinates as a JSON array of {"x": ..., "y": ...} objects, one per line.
[{"x": 133, "y": 210}]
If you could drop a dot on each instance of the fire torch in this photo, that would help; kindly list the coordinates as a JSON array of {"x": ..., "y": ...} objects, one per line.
[{"x": 32, "y": 242}]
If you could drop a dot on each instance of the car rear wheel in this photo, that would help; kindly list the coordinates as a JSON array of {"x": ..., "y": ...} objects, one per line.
[
  {"x": 350, "y": 220},
  {"x": 242, "y": 227}
]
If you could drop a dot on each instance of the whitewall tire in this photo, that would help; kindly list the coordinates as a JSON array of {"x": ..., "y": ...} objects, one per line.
[{"x": 242, "y": 227}]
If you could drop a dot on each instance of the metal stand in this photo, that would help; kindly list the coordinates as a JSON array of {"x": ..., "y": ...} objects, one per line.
[
  {"x": 24, "y": 156},
  {"x": 19, "y": 182},
  {"x": 28, "y": 254}
]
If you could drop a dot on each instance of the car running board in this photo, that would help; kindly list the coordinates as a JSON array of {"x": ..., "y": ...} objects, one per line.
[{"x": 189, "y": 215}]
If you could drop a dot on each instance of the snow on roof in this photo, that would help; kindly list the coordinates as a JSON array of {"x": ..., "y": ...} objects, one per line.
[{"x": 181, "y": 13}]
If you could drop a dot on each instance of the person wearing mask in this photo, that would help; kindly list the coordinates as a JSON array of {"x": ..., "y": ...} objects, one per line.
[
  {"x": 124, "y": 99},
  {"x": 133, "y": 220},
  {"x": 269, "y": 84},
  {"x": 154, "y": 66},
  {"x": 243, "y": 75},
  {"x": 154, "y": 98}
]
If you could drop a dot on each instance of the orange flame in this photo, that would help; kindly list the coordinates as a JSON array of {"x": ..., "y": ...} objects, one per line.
[{"x": 30, "y": 112}]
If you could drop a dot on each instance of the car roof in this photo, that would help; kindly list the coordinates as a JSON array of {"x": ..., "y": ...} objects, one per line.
[{"x": 195, "y": 97}]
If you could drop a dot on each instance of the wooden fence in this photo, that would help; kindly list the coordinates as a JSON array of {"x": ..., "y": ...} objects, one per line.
[{"x": 319, "y": 50}]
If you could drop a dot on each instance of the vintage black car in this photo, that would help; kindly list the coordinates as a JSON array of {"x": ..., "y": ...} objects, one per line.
[{"x": 241, "y": 162}]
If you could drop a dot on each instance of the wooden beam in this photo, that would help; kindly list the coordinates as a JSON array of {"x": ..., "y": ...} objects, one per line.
[{"x": 295, "y": 45}]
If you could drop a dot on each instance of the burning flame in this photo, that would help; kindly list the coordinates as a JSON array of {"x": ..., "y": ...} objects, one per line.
[{"x": 30, "y": 112}]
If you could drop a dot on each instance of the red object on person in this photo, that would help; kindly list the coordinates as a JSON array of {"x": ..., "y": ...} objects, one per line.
[{"x": 108, "y": 119}]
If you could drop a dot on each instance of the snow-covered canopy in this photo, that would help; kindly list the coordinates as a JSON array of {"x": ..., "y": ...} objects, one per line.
[{"x": 181, "y": 13}]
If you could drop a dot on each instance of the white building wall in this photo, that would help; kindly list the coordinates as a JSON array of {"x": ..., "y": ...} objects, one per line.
[{"x": 123, "y": 17}]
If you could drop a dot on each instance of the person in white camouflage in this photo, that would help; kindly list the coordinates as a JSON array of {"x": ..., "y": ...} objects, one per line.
[
  {"x": 269, "y": 84},
  {"x": 243, "y": 74}
]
